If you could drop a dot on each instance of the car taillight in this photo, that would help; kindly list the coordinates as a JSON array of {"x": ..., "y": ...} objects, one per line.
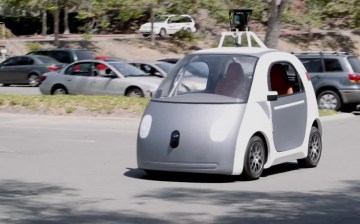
[
  {"x": 53, "y": 68},
  {"x": 308, "y": 76},
  {"x": 354, "y": 78},
  {"x": 42, "y": 78}
]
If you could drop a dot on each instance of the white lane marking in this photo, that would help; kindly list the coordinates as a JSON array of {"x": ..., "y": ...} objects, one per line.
[
  {"x": 289, "y": 105},
  {"x": 73, "y": 129},
  {"x": 50, "y": 139}
]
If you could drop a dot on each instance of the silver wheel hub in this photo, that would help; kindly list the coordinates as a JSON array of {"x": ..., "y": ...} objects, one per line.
[
  {"x": 256, "y": 158},
  {"x": 328, "y": 102}
]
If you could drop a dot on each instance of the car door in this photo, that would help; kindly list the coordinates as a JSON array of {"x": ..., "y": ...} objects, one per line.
[
  {"x": 23, "y": 69},
  {"x": 289, "y": 111},
  {"x": 173, "y": 24},
  {"x": 78, "y": 78},
  {"x": 106, "y": 81},
  {"x": 8, "y": 70}
]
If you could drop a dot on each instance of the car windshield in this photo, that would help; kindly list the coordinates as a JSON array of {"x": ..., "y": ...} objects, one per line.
[
  {"x": 47, "y": 60},
  {"x": 355, "y": 63},
  {"x": 166, "y": 66},
  {"x": 127, "y": 70},
  {"x": 209, "y": 78},
  {"x": 84, "y": 55},
  {"x": 158, "y": 19}
]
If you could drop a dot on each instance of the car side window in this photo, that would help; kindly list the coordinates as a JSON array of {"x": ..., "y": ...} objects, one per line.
[
  {"x": 80, "y": 69},
  {"x": 284, "y": 79},
  {"x": 25, "y": 61},
  {"x": 332, "y": 65},
  {"x": 312, "y": 64},
  {"x": 10, "y": 61}
]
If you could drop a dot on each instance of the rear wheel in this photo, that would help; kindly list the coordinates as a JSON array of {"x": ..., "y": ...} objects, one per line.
[
  {"x": 34, "y": 80},
  {"x": 60, "y": 91},
  {"x": 314, "y": 150},
  {"x": 329, "y": 100},
  {"x": 134, "y": 92},
  {"x": 254, "y": 158},
  {"x": 5, "y": 84},
  {"x": 146, "y": 35}
]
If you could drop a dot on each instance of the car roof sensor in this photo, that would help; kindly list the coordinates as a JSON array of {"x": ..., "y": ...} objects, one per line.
[{"x": 239, "y": 25}]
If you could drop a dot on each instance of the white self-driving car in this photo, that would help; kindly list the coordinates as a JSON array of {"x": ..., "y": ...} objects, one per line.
[
  {"x": 169, "y": 24},
  {"x": 231, "y": 110}
]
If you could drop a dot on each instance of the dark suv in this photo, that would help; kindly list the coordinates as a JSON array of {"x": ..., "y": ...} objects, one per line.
[
  {"x": 65, "y": 55},
  {"x": 335, "y": 77}
]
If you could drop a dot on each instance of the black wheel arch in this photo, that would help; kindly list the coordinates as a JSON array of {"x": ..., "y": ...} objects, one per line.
[{"x": 57, "y": 86}]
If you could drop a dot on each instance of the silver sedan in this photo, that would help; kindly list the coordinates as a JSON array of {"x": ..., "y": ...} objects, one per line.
[{"x": 97, "y": 77}]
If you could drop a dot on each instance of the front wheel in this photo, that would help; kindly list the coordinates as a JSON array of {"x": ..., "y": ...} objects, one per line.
[
  {"x": 134, "y": 92},
  {"x": 254, "y": 158},
  {"x": 329, "y": 100},
  {"x": 162, "y": 32},
  {"x": 314, "y": 150}
]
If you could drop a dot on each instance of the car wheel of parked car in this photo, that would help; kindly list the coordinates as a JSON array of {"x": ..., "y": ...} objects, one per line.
[
  {"x": 329, "y": 100},
  {"x": 314, "y": 150},
  {"x": 60, "y": 91},
  {"x": 5, "y": 84},
  {"x": 254, "y": 158},
  {"x": 162, "y": 32},
  {"x": 146, "y": 35},
  {"x": 34, "y": 80},
  {"x": 134, "y": 92}
]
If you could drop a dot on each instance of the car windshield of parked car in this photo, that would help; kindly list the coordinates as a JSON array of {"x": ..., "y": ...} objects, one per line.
[
  {"x": 215, "y": 78},
  {"x": 128, "y": 70},
  {"x": 161, "y": 18},
  {"x": 166, "y": 66},
  {"x": 47, "y": 60},
  {"x": 84, "y": 55},
  {"x": 355, "y": 63}
]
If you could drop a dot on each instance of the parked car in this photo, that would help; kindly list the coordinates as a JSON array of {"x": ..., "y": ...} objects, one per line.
[
  {"x": 170, "y": 60},
  {"x": 65, "y": 55},
  {"x": 154, "y": 68},
  {"x": 26, "y": 69},
  {"x": 169, "y": 24},
  {"x": 335, "y": 77},
  {"x": 256, "y": 108},
  {"x": 97, "y": 77}
]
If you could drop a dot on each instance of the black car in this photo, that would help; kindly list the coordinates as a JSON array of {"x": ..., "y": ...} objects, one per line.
[
  {"x": 335, "y": 77},
  {"x": 26, "y": 69},
  {"x": 65, "y": 55},
  {"x": 170, "y": 60}
]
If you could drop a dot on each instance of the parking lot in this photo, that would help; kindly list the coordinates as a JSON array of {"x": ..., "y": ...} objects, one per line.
[{"x": 68, "y": 169}]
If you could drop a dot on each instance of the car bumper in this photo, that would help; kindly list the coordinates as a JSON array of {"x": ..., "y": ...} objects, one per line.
[{"x": 350, "y": 96}]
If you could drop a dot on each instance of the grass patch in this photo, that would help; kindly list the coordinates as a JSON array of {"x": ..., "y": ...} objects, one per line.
[
  {"x": 69, "y": 104},
  {"x": 327, "y": 112}
]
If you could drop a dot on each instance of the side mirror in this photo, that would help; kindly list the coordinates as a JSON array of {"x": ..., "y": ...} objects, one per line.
[{"x": 272, "y": 96}]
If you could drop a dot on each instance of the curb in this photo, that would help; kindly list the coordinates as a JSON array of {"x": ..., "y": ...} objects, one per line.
[{"x": 337, "y": 116}]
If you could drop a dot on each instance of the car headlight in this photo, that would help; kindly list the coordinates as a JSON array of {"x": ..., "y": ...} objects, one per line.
[{"x": 145, "y": 126}]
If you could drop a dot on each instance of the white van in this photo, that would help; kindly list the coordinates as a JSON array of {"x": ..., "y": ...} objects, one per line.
[{"x": 169, "y": 24}]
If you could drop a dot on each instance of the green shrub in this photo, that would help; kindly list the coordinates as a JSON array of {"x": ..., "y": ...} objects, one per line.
[{"x": 33, "y": 46}]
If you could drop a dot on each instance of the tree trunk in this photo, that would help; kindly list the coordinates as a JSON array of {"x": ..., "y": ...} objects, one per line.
[
  {"x": 43, "y": 22},
  {"x": 274, "y": 24},
  {"x": 66, "y": 20},
  {"x": 56, "y": 24}
]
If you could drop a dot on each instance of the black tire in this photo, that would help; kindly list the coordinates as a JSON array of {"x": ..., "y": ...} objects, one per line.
[
  {"x": 329, "y": 100},
  {"x": 59, "y": 91},
  {"x": 146, "y": 35},
  {"x": 254, "y": 159},
  {"x": 134, "y": 92},
  {"x": 314, "y": 150},
  {"x": 34, "y": 80},
  {"x": 162, "y": 32},
  {"x": 6, "y": 84}
]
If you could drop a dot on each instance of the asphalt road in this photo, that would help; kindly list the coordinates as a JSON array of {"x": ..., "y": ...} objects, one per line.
[
  {"x": 83, "y": 170},
  {"x": 23, "y": 90}
]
